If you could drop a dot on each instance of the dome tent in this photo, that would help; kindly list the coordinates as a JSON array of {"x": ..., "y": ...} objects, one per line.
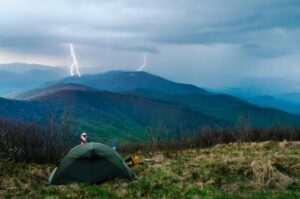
[{"x": 91, "y": 163}]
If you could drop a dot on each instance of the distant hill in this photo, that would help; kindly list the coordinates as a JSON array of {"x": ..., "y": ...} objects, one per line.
[
  {"x": 248, "y": 87},
  {"x": 44, "y": 91},
  {"x": 122, "y": 81},
  {"x": 291, "y": 96},
  {"x": 6, "y": 79},
  {"x": 108, "y": 114},
  {"x": 23, "y": 67},
  {"x": 275, "y": 102},
  {"x": 22, "y": 111},
  {"x": 17, "y": 77},
  {"x": 225, "y": 107}
]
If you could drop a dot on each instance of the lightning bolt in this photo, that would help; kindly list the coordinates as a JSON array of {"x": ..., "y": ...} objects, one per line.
[
  {"x": 144, "y": 63},
  {"x": 75, "y": 62}
]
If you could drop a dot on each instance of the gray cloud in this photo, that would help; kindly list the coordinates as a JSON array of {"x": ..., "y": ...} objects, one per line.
[{"x": 184, "y": 38}]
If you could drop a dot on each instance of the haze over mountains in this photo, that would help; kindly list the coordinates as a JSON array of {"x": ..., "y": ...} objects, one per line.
[
  {"x": 123, "y": 104},
  {"x": 247, "y": 87},
  {"x": 282, "y": 102},
  {"x": 18, "y": 76},
  {"x": 23, "y": 67}
]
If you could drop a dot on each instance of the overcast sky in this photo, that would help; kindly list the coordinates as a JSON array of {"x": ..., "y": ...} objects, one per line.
[{"x": 206, "y": 42}]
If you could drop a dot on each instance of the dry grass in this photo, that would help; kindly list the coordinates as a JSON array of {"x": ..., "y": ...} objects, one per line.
[{"x": 237, "y": 170}]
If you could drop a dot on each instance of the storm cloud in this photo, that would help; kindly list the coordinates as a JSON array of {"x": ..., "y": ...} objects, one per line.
[{"x": 206, "y": 42}]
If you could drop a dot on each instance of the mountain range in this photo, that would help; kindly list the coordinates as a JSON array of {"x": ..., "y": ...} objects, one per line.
[
  {"x": 108, "y": 114},
  {"x": 18, "y": 77},
  {"x": 126, "y": 104},
  {"x": 286, "y": 102},
  {"x": 117, "y": 81}
]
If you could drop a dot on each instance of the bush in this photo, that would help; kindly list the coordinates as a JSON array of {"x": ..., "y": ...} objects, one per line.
[
  {"x": 30, "y": 142},
  {"x": 207, "y": 137}
]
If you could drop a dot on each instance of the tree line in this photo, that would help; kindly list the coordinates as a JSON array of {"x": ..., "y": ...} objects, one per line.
[
  {"x": 32, "y": 143},
  {"x": 21, "y": 141}
]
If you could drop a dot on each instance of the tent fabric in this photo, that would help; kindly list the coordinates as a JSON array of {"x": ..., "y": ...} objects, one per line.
[{"x": 91, "y": 163}]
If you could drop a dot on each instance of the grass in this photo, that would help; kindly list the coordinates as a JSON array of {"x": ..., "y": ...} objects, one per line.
[{"x": 238, "y": 170}]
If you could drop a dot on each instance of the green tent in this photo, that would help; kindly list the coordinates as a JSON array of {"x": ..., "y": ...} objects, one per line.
[{"x": 92, "y": 163}]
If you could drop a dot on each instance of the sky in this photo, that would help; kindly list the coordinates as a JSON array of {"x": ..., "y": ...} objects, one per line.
[{"x": 210, "y": 43}]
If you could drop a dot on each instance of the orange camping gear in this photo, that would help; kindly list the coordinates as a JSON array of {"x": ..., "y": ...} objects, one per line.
[{"x": 133, "y": 160}]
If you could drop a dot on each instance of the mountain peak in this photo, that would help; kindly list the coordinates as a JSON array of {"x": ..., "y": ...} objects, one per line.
[
  {"x": 41, "y": 92},
  {"x": 117, "y": 81}
]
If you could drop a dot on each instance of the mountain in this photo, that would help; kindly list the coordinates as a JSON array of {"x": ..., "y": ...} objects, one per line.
[
  {"x": 291, "y": 96},
  {"x": 40, "y": 75},
  {"x": 109, "y": 115},
  {"x": 268, "y": 92},
  {"x": 16, "y": 77},
  {"x": 152, "y": 87},
  {"x": 6, "y": 75},
  {"x": 249, "y": 87},
  {"x": 5, "y": 80},
  {"x": 225, "y": 107},
  {"x": 117, "y": 81},
  {"x": 44, "y": 91},
  {"x": 23, "y": 67},
  {"x": 275, "y": 102},
  {"x": 21, "y": 110}
]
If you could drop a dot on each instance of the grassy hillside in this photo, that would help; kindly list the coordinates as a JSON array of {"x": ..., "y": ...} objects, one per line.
[{"x": 240, "y": 170}]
